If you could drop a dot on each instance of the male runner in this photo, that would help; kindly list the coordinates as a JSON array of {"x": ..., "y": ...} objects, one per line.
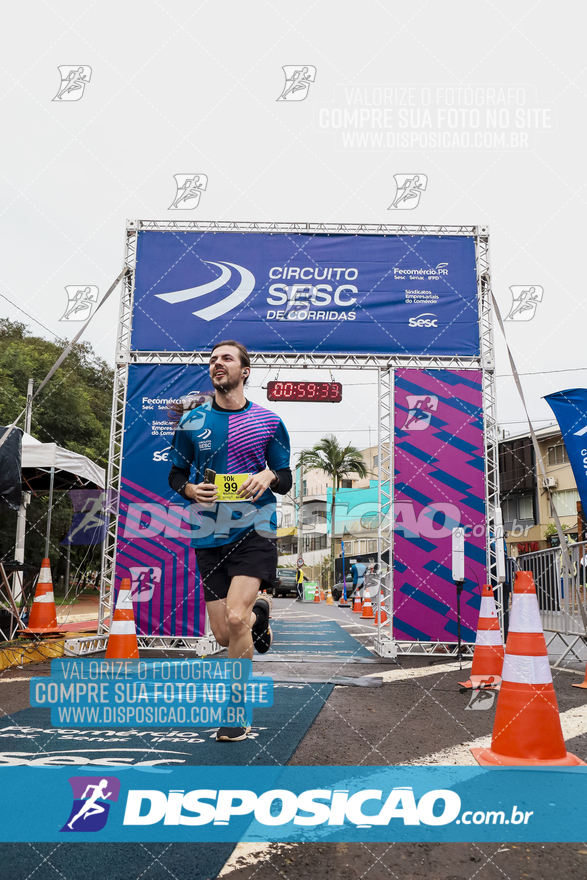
[{"x": 235, "y": 541}]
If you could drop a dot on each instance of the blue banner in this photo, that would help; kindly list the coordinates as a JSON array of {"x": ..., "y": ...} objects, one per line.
[
  {"x": 351, "y": 294},
  {"x": 153, "y": 539},
  {"x": 570, "y": 409},
  {"x": 294, "y": 804}
]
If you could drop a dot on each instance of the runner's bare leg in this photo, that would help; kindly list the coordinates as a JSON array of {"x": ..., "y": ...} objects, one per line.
[{"x": 228, "y": 616}]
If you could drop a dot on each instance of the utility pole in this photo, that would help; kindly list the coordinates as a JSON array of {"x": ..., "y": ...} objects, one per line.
[
  {"x": 300, "y": 511},
  {"x": 18, "y": 577}
]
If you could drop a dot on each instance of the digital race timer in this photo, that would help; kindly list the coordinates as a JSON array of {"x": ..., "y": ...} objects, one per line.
[{"x": 325, "y": 392}]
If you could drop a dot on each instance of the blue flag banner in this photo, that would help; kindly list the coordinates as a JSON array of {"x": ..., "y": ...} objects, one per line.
[
  {"x": 570, "y": 409},
  {"x": 294, "y": 804}
]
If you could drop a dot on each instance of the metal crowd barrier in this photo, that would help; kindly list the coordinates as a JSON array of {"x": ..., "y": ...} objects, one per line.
[{"x": 561, "y": 594}]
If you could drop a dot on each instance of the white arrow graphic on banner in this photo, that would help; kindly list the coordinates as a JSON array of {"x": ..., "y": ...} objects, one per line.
[
  {"x": 234, "y": 298},
  {"x": 581, "y": 432}
]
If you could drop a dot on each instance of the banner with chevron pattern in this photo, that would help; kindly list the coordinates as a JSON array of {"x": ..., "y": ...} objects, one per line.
[{"x": 439, "y": 483}]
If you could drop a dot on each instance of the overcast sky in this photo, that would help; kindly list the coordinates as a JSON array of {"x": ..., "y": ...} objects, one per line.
[{"x": 183, "y": 87}]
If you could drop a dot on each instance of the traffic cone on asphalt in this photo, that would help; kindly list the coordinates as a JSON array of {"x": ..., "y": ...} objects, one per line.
[
  {"x": 381, "y": 607},
  {"x": 583, "y": 683},
  {"x": 489, "y": 652},
  {"x": 122, "y": 641},
  {"x": 342, "y": 603},
  {"x": 527, "y": 729},
  {"x": 317, "y": 594},
  {"x": 357, "y": 604},
  {"x": 367, "y": 607},
  {"x": 329, "y": 599},
  {"x": 322, "y": 596},
  {"x": 43, "y": 616}
]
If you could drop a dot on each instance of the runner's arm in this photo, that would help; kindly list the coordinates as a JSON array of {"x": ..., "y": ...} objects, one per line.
[
  {"x": 178, "y": 480},
  {"x": 284, "y": 481},
  {"x": 277, "y": 453}
]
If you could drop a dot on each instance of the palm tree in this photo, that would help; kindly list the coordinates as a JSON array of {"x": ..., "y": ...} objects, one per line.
[{"x": 337, "y": 461}]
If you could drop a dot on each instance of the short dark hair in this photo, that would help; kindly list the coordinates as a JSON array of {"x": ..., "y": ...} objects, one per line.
[{"x": 243, "y": 353}]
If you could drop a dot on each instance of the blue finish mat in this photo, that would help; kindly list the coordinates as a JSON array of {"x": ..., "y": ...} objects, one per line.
[
  {"x": 27, "y": 737},
  {"x": 315, "y": 637}
]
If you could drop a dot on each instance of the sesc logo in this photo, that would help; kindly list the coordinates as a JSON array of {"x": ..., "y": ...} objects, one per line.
[
  {"x": 426, "y": 319},
  {"x": 162, "y": 455}
]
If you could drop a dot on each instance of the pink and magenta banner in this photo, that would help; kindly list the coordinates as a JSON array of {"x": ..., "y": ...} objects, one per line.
[{"x": 439, "y": 484}]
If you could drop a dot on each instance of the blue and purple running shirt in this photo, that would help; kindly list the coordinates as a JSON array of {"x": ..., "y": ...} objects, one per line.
[{"x": 230, "y": 442}]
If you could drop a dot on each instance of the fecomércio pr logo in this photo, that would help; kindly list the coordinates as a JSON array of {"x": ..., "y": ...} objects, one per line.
[{"x": 92, "y": 798}]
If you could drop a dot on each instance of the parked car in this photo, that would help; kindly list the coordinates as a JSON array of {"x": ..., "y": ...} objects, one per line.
[
  {"x": 285, "y": 582},
  {"x": 371, "y": 583}
]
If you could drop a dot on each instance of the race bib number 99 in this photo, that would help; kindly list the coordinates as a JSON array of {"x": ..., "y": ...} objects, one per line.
[{"x": 228, "y": 486}]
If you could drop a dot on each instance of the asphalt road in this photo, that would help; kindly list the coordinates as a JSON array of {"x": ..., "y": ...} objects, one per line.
[{"x": 417, "y": 714}]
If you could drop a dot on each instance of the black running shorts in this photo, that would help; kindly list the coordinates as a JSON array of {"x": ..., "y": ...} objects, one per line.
[{"x": 252, "y": 555}]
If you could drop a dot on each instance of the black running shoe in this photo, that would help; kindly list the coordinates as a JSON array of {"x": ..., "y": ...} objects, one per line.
[
  {"x": 261, "y": 631},
  {"x": 232, "y": 734}
]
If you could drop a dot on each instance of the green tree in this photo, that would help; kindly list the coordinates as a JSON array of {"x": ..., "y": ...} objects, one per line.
[
  {"x": 337, "y": 462},
  {"x": 73, "y": 410}
]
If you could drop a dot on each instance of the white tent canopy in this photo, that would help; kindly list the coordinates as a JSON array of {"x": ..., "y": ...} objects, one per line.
[{"x": 49, "y": 455}]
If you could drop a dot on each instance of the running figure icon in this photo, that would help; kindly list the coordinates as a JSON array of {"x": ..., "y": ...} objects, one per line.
[
  {"x": 189, "y": 189},
  {"x": 91, "y": 808},
  {"x": 297, "y": 82},
  {"x": 409, "y": 191},
  {"x": 524, "y": 302},
  {"x": 73, "y": 82}
]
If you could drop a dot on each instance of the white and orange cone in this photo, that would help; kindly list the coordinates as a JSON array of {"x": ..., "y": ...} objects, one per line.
[
  {"x": 357, "y": 604},
  {"x": 489, "y": 651},
  {"x": 43, "y": 616},
  {"x": 381, "y": 608},
  {"x": 527, "y": 729},
  {"x": 367, "y": 607},
  {"x": 122, "y": 641},
  {"x": 317, "y": 593},
  {"x": 329, "y": 599}
]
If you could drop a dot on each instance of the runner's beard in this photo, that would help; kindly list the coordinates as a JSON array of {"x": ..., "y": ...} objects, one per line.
[{"x": 224, "y": 385}]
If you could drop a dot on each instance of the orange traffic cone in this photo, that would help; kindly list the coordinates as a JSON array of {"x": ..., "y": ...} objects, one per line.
[
  {"x": 317, "y": 594},
  {"x": 488, "y": 654},
  {"x": 43, "y": 616},
  {"x": 329, "y": 599},
  {"x": 367, "y": 608},
  {"x": 322, "y": 596},
  {"x": 122, "y": 641},
  {"x": 583, "y": 683},
  {"x": 381, "y": 606},
  {"x": 357, "y": 604},
  {"x": 527, "y": 728}
]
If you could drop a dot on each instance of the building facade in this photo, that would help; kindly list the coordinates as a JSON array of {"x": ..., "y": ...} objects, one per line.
[{"x": 527, "y": 515}]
